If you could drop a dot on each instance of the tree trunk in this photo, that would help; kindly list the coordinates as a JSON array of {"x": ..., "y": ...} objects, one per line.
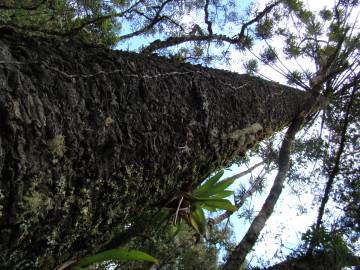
[{"x": 92, "y": 141}]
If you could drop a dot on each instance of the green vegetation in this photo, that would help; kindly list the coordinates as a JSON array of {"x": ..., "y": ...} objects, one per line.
[
  {"x": 210, "y": 196},
  {"x": 113, "y": 255},
  {"x": 57, "y": 145}
]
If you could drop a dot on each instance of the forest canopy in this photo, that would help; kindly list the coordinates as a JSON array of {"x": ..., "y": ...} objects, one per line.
[{"x": 314, "y": 51}]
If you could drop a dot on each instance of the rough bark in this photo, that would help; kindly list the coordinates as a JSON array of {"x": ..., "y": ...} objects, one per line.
[{"x": 93, "y": 141}]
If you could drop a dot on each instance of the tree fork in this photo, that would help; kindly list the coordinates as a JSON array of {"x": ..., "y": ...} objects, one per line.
[{"x": 93, "y": 141}]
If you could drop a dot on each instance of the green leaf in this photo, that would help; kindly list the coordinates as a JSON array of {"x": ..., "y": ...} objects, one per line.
[
  {"x": 223, "y": 194},
  {"x": 221, "y": 186},
  {"x": 175, "y": 229},
  {"x": 114, "y": 255},
  {"x": 251, "y": 66},
  {"x": 214, "y": 190},
  {"x": 197, "y": 215},
  {"x": 209, "y": 208},
  {"x": 326, "y": 14},
  {"x": 161, "y": 217},
  {"x": 264, "y": 28},
  {"x": 209, "y": 183},
  {"x": 194, "y": 224},
  {"x": 219, "y": 204},
  {"x": 219, "y": 195}
]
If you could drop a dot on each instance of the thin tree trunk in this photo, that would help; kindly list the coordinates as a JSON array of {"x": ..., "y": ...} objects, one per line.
[
  {"x": 94, "y": 141},
  {"x": 238, "y": 255}
]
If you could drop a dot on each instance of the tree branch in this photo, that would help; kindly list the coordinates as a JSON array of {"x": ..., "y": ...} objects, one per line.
[
  {"x": 207, "y": 21},
  {"x": 157, "y": 18},
  {"x": 75, "y": 30},
  {"x": 333, "y": 173},
  {"x": 257, "y": 18},
  {"x": 249, "y": 170},
  {"x": 172, "y": 41},
  {"x": 85, "y": 23}
]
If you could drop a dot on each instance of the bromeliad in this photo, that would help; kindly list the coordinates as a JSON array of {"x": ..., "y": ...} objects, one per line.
[{"x": 210, "y": 196}]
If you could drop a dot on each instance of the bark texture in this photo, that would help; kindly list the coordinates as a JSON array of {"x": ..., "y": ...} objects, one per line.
[{"x": 92, "y": 140}]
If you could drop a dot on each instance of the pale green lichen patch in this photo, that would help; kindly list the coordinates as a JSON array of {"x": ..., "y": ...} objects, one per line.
[
  {"x": 237, "y": 134},
  {"x": 214, "y": 132},
  {"x": 61, "y": 186},
  {"x": 37, "y": 201},
  {"x": 108, "y": 121},
  {"x": 35, "y": 205},
  {"x": 57, "y": 145},
  {"x": 16, "y": 107},
  {"x": 205, "y": 104},
  {"x": 244, "y": 138}
]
